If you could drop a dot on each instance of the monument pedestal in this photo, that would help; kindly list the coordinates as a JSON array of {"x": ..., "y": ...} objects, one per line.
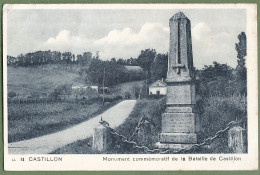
[
  {"x": 178, "y": 138},
  {"x": 174, "y": 147},
  {"x": 180, "y": 122},
  {"x": 178, "y": 128}
]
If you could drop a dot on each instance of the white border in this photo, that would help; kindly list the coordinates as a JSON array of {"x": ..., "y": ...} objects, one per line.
[{"x": 94, "y": 162}]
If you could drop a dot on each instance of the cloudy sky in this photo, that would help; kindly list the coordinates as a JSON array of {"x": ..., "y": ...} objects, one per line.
[{"x": 124, "y": 33}]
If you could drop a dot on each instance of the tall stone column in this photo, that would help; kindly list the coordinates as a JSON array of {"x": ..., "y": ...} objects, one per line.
[{"x": 179, "y": 120}]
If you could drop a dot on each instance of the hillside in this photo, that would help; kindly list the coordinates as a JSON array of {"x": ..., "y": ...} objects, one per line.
[
  {"x": 52, "y": 116},
  {"x": 43, "y": 79}
]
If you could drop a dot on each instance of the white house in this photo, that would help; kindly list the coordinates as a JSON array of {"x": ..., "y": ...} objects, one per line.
[
  {"x": 94, "y": 87},
  {"x": 83, "y": 87},
  {"x": 158, "y": 88},
  {"x": 79, "y": 87}
]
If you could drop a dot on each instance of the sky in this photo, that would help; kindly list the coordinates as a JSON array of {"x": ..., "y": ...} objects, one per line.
[{"x": 118, "y": 33}]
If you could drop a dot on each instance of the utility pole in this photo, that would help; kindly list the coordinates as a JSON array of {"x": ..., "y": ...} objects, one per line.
[
  {"x": 145, "y": 82},
  {"x": 104, "y": 85},
  {"x": 22, "y": 93}
]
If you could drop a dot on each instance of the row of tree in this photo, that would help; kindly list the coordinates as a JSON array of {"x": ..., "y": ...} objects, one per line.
[{"x": 49, "y": 57}]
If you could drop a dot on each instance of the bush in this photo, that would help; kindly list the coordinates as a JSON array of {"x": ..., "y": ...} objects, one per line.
[
  {"x": 153, "y": 96},
  {"x": 99, "y": 98},
  {"x": 217, "y": 112},
  {"x": 127, "y": 95},
  {"x": 11, "y": 94}
]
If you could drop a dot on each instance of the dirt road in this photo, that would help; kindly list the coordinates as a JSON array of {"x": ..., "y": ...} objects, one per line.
[{"x": 48, "y": 143}]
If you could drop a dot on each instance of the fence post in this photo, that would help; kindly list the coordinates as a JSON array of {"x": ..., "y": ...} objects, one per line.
[
  {"x": 237, "y": 139},
  {"x": 102, "y": 138}
]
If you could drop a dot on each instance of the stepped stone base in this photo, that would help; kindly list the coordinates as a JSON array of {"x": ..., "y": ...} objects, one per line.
[
  {"x": 174, "y": 147},
  {"x": 178, "y": 138}
]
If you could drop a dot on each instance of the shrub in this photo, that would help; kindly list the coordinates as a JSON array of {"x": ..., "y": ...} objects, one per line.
[
  {"x": 11, "y": 94},
  {"x": 217, "y": 112},
  {"x": 153, "y": 96}
]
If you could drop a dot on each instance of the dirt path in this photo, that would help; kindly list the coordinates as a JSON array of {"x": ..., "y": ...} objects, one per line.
[{"x": 48, "y": 143}]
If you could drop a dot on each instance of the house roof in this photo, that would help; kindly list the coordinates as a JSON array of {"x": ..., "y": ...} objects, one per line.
[
  {"x": 136, "y": 68},
  {"x": 158, "y": 83}
]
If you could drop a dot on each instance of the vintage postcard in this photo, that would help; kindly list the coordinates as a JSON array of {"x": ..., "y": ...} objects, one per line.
[{"x": 130, "y": 87}]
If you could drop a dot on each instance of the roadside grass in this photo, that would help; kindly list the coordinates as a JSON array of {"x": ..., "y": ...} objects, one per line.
[
  {"x": 26, "y": 121},
  {"x": 79, "y": 147},
  {"x": 215, "y": 112}
]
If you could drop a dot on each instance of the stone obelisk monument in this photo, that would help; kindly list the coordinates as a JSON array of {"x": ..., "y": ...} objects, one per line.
[{"x": 179, "y": 120}]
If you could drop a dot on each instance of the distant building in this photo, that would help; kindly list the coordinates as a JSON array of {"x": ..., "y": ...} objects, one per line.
[
  {"x": 134, "y": 68},
  {"x": 79, "y": 87},
  {"x": 101, "y": 89},
  {"x": 94, "y": 87},
  {"x": 83, "y": 87},
  {"x": 158, "y": 88}
]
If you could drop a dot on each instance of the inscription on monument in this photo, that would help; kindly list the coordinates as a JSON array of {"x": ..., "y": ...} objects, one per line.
[{"x": 178, "y": 123}]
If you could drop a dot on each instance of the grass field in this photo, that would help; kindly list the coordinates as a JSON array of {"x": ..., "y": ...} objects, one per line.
[
  {"x": 25, "y": 80},
  {"x": 27, "y": 121}
]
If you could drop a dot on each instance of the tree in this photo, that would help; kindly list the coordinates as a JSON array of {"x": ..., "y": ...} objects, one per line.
[
  {"x": 216, "y": 79},
  {"x": 146, "y": 58},
  {"x": 121, "y": 61},
  {"x": 65, "y": 88},
  {"x": 10, "y": 60},
  {"x": 132, "y": 62},
  {"x": 241, "y": 54},
  {"x": 56, "y": 57},
  {"x": 159, "y": 67},
  {"x": 95, "y": 71},
  {"x": 211, "y": 72},
  {"x": 241, "y": 78},
  {"x": 21, "y": 60},
  {"x": 85, "y": 59},
  {"x": 67, "y": 58},
  {"x": 114, "y": 73}
]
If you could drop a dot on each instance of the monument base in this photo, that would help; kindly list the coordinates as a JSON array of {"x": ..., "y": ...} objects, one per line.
[
  {"x": 173, "y": 147},
  {"x": 178, "y": 138}
]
